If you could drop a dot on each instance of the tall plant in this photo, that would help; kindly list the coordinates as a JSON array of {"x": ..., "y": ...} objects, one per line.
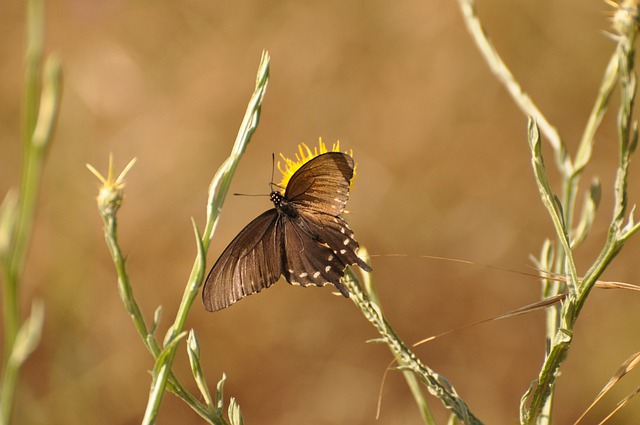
[{"x": 41, "y": 101}]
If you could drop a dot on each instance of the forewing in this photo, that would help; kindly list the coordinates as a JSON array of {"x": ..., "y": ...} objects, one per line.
[
  {"x": 308, "y": 261},
  {"x": 322, "y": 184},
  {"x": 250, "y": 263}
]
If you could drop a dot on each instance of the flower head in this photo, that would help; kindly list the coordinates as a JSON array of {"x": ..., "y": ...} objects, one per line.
[
  {"x": 112, "y": 190},
  {"x": 304, "y": 155},
  {"x": 625, "y": 17}
]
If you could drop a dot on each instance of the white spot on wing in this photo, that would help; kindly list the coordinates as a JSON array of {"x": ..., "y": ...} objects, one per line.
[
  {"x": 345, "y": 242},
  {"x": 316, "y": 275},
  {"x": 326, "y": 269},
  {"x": 303, "y": 275}
]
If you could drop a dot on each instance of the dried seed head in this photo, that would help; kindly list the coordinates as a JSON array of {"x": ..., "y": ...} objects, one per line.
[
  {"x": 625, "y": 19},
  {"x": 112, "y": 191}
]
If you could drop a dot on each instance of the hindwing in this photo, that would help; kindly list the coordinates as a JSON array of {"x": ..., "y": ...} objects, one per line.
[{"x": 308, "y": 261}]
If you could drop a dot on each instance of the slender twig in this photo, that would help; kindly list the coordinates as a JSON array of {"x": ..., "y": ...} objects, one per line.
[
  {"x": 42, "y": 94},
  {"x": 412, "y": 381},
  {"x": 504, "y": 75},
  {"x": 109, "y": 201},
  {"x": 217, "y": 193},
  {"x": 559, "y": 256},
  {"x": 436, "y": 384}
]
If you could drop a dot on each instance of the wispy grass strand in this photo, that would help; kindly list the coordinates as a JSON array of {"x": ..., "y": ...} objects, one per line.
[
  {"x": 217, "y": 193},
  {"x": 536, "y": 404},
  {"x": 41, "y": 102},
  {"x": 436, "y": 384},
  {"x": 109, "y": 201}
]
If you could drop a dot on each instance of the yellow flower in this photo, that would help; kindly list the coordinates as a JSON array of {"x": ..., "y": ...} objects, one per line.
[{"x": 304, "y": 155}]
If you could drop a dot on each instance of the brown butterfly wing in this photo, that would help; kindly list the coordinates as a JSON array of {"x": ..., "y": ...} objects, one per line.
[
  {"x": 308, "y": 261},
  {"x": 322, "y": 184},
  {"x": 334, "y": 232},
  {"x": 251, "y": 262},
  {"x": 319, "y": 243},
  {"x": 303, "y": 238}
]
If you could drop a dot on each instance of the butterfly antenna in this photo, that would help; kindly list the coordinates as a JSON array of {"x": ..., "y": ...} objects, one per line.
[
  {"x": 273, "y": 172},
  {"x": 273, "y": 158},
  {"x": 273, "y": 165},
  {"x": 249, "y": 194}
]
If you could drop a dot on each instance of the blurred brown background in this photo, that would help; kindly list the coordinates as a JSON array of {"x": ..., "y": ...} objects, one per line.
[{"x": 443, "y": 170}]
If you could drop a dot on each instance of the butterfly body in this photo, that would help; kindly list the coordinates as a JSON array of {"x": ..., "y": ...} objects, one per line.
[
  {"x": 282, "y": 206},
  {"x": 303, "y": 238}
]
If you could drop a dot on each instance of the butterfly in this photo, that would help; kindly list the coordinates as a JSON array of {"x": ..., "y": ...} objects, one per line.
[{"x": 303, "y": 238}]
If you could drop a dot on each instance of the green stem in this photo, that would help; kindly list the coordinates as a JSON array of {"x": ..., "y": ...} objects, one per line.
[
  {"x": 109, "y": 202},
  {"x": 40, "y": 112},
  {"x": 436, "y": 384},
  {"x": 409, "y": 376},
  {"x": 506, "y": 78},
  {"x": 539, "y": 410},
  {"x": 30, "y": 173},
  {"x": 9, "y": 382},
  {"x": 217, "y": 193}
]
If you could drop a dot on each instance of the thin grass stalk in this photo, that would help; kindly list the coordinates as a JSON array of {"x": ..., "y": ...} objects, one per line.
[
  {"x": 504, "y": 76},
  {"x": 539, "y": 410},
  {"x": 39, "y": 114},
  {"x": 217, "y": 193},
  {"x": 109, "y": 201},
  {"x": 570, "y": 184},
  {"x": 411, "y": 379},
  {"x": 436, "y": 384},
  {"x": 16, "y": 251},
  {"x": 558, "y": 257}
]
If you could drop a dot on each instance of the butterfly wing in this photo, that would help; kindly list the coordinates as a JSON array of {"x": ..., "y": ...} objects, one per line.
[
  {"x": 322, "y": 184},
  {"x": 308, "y": 261},
  {"x": 318, "y": 242},
  {"x": 251, "y": 262},
  {"x": 334, "y": 232},
  {"x": 304, "y": 238}
]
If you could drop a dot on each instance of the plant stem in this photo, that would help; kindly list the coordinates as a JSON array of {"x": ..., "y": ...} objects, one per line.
[
  {"x": 40, "y": 112},
  {"x": 559, "y": 256},
  {"x": 109, "y": 201},
  {"x": 217, "y": 193},
  {"x": 622, "y": 70},
  {"x": 436, "y": 384}
]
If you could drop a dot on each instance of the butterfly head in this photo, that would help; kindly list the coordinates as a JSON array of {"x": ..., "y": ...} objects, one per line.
[{"x": 276, "y": 197}]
